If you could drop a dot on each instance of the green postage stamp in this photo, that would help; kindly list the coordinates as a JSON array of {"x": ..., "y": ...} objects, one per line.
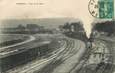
[
  {"x": 106, "y": 8},
  {"x": 103, "y": 9}
]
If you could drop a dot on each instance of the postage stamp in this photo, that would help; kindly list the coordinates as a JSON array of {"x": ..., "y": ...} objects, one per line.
[{"x": 103, "y": 9}]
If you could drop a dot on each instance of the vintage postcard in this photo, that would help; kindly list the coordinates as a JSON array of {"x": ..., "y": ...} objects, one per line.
[{"x": 57, "y": 36}]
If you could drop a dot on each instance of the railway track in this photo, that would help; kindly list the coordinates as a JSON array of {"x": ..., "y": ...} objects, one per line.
[
  {"x": 102, "y": 67},
  {"x": 62, "y": 56},
  {"x": 47, "y": 60},
  {"x": 107, "y": 67},
  {"x": 65, "y": 59},
  {"x": 67, "y": 51}
]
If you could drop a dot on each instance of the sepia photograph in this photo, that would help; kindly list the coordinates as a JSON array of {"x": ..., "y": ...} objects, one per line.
[
  {"x": 57, "y": 45},
  {"x": 57, "y": 36}
]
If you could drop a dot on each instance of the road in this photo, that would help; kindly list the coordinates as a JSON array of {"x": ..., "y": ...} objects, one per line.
[
  {"x": 31, "y": 38},
  {"x": 63, "y": 60},
  {"x": 19, "y": 47}
]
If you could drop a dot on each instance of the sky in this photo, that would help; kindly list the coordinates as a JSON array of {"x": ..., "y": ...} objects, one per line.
[{"x": 27, "y": 9}]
